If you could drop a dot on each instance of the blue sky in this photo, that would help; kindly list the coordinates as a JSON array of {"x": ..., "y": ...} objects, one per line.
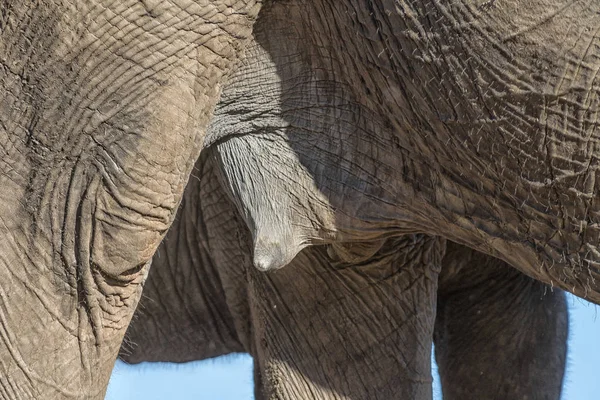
[{"x": 230, "y": 377}]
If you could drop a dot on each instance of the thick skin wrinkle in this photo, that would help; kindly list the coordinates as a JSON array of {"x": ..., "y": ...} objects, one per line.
[
  {"x": 498, "y": 333},
  {"x": 319, "y": 328},
  {"x": 475, "y": 121},
  {"x": 103, "y": 112}
]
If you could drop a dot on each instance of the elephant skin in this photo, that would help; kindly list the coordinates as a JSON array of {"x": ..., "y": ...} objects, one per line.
[
  {"x": 371, "y": 176},
  {"x": 325, "y": 328},
  {"x": 103, "y": 112}
]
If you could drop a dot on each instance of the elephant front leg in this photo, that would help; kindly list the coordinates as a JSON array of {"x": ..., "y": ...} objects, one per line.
[
  {"x": 103, "y": 109},
  {"x": 499, "y": 334},
  {"x": 331, "y": 330}
]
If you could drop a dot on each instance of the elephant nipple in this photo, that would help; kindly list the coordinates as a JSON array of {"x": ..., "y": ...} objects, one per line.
[{"x": 271, "y": 253}]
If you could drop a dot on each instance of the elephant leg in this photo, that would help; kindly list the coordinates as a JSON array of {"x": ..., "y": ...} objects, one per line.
[
  {"x": 330, "y": 330},
  {"x": 103, "y": 111},
  {"x": 498, "y": 333}
]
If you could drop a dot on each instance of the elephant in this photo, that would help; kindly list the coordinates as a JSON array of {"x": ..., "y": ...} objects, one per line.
[{"x": 338, "y": 185}]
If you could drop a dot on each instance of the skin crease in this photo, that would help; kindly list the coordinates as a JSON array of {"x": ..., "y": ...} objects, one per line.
[{"x": 354, "y": 140}]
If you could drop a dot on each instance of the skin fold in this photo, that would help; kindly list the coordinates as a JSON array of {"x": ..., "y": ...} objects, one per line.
[{"x": 363, "y": 178}]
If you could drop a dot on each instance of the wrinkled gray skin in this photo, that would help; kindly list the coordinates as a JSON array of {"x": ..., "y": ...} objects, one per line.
[
  {"x": 325, "y": 329},
  {"x": 389, "y": 159},
  {"x": 103, "y": 112}
]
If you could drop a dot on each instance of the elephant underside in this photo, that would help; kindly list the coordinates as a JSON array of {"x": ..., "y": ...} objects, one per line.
[{"x": 451, "y": 120}]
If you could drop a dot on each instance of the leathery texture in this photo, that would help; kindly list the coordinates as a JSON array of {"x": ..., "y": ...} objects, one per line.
[
  {"x": 103, "y": 111},
  {"x": 471, "y": 120},
  {"x": 329, "y": 329}
]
